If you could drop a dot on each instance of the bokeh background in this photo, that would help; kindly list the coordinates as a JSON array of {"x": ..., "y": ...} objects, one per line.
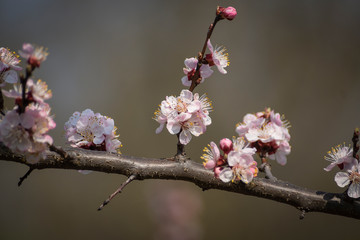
[{"x": 121, "y": 58}]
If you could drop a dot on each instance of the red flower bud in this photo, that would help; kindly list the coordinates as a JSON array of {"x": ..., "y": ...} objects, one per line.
[
  {"x": 226, "y": 145},
  {"x": 229, "y": 13}
]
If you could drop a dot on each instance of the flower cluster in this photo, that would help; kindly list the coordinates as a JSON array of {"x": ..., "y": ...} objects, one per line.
[
  {"x": 8, "y": 67},
  {"x": 236, "y": 163},
  {"x": 34, "y": 55},
  {"x": 268, "y": 133},
  {"x": 184, "y": 115},
  {"x": 26, "y": 132},
  {"x": 342, "y": 157},
  {"x": 93, "y": 131},
  {"x": 217, "y": 57}
]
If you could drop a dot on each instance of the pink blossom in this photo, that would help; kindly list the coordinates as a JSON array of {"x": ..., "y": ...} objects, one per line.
[
  {"x": 250, "y": 121},
  {"x": 268, "y": 133},
  {"x": 229, "y": 13},
  {"x": 8, "y": 60},
  {"x": 217, "y": 57},
  {"x": 241, "y": 146},
  {"x": 13, "y": 134},
  {"x": 340, "y": 156},
  {"x": 8, "y": 67},
  {"x": 39, "y": 90},
  {"x": 92, "y": 131},
  {"x": 211, "y": 156},
  {"x": 241, "y": 167},
  {"x": 34, "y": 55},
  {"x": 352, "y": 177},
  {"x": 189, "y": 71},
  {"x": 187, "y": 114},
  {"x": 280, "y": 154}
]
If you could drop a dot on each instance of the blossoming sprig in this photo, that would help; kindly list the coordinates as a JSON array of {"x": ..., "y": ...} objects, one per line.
[
  {"x": 198, "y": 73},
  {"x": 234, "y": 164},
  {"x": 26, "y": 132},
  {"x": 24, "y": 129},
  {"x": 34, "y": 55}
]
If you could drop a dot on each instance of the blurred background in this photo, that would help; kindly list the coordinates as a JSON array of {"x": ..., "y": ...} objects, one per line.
[{"x": 121, "y": 58}]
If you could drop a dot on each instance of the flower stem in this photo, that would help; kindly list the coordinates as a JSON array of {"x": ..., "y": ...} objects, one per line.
[
  {"x": 265, "y": 167},
  {"x": 196, "y": 78},
  {"x": 23, "y": 81},
  {"x": 355, "y": 141},
  {"x": 1, "y": 103}
]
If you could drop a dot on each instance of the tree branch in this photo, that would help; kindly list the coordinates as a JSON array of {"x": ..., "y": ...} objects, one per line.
[{"x": 150, "y": 168}]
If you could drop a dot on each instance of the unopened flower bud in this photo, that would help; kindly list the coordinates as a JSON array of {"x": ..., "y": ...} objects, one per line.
[
  {"x": 217, "y": 171},
  {"x": 229, "y": 13},
  {"x": 226, "y": 145}
]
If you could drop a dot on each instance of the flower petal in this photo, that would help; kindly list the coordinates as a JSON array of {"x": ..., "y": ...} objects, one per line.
[
  {"x": 342, "y": 179},
  {"x": 11, "y": 76},
  {"x": 191, "y": 63},
  {"x": 185, "y": 81},
  {"x": 185, "y": 137},
  {"x": 354, "y": 190},
  {"x": 226, "y": 175}
]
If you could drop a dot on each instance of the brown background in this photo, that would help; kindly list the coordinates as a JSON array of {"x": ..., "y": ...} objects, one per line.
[{"x": 121, "y": 58}]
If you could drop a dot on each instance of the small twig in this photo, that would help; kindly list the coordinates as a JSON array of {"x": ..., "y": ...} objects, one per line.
[
  {"x": 1, "y": 102},
  {"x": 59, "y": 151},
  {"x": 180, "y": 153},
  {"x": 23, "y": 80},
  {"x": 119, "y": 190},
  {"x": 25, "y": 176},
  {"x": 266, "y": 168}
]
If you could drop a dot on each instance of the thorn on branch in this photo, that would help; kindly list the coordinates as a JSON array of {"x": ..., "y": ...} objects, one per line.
[
  {"x": 302, "y": 215},
  {"x": 119, "y": 190},
  {"x": 25, "y": 176}
]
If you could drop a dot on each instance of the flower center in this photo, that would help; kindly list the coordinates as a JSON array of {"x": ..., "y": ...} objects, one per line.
[{"x": 355, "y": 177}]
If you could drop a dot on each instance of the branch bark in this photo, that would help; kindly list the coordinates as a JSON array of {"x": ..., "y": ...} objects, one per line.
[{"x": 303, "y": 199}]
